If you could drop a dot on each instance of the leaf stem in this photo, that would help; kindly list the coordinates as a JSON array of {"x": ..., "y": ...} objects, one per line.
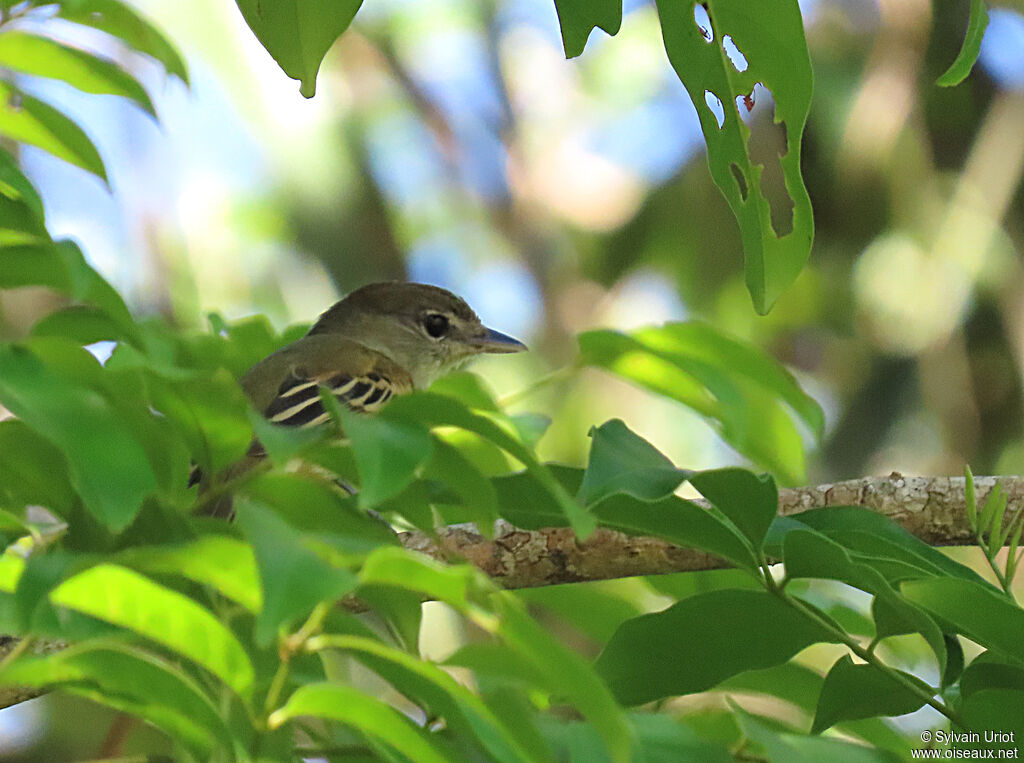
[
  {"x": 547, "y": 379},
  {"x": 869, "y": 657}
]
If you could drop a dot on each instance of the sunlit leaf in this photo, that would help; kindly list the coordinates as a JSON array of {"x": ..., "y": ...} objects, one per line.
[
  {"x": 968, "y": 55},
  {"x": 770, "y": 36},
  {"x": 43, "y": 57},
  {"x": 131, "y": 681},
  {"x": 371, "y": 716},
  {"x": 744, "y": 392},
  {"x": 577, "y": 18},
  {"x": 298, "y": 33},
  {"x": 127, "y": 599},
  {"x": 30, "y": 120},
  {"x": 463, "y": 710},
  {"x": 219, "y": 561},
  {"x": 122, "y": 21}
]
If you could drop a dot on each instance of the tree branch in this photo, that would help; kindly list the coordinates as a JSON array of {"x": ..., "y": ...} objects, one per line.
[{"x": 932, "y": 508}]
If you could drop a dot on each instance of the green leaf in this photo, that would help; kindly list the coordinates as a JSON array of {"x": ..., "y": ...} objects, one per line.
[
  {"x": 132, "y": 681},
  {"x": 479, "y": 499},
  {"x": 21, "y": 211},
  {"x": 964, "y": 61},
  {"x": 127, "y": 599},
  {"x": 771, "y": 37},
  {"x": 35, "y": 471},
  {"x": 987, "y": 672},
  {"x": 30, "y": 120},
  {"x": 370, "y": 716},
  {"x": 321, "y": 511},
  {"x": 676, "y": 521},
  {"x": 808, "y": 554},
  {"x": 298, "y": 33},
  {"x": 751, "y": 501},
  {"x": 742, "y": 391},
  {"x": 577, "y": 18},
  {"x": 870, "y": 536},
  {"x": 63, "y": 267},
  {"x": 295, "y": 579},
  {"x": 800, "y": 748},
  {"x": 109, "y": 468},
  {"x": 427, "y": 409},
  {"x": 224, "y": 563},
  {"x": 999, "y": 710},
  {"x": 209, "y": 410},
  {"x": 623, "y": 462},
  {"x": 852, "y": 692},
  {"x": 388, "y": 452},
  {"x": 976, "y": 611},
  {"x": 14, "y": 185},
  {"x": 461, "y": 586},
  {"x": 566, "y": 674},
  {"x": 82, "y": 324},
  {"x": 30, "y": 54},
  {"x": 698, "y": 642},
  {"x": 432, "y": 688},
  {"x": 120, "y": 20}
]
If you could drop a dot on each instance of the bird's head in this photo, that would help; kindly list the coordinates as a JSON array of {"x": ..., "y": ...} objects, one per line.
[{"x": 425, "y": 329}]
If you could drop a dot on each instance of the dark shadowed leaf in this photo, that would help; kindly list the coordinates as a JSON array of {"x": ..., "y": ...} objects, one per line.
[
  {"x": 14, "y": 185},
  {"x": 30, "y": 120},
  {"x": 751, "y": 501},
  {"x": 700, "y": 641},
  {"x": 577, "y": 18},
  {"x": 43, "y": 57},
  {"x": 298, "y": 33},
  {"x": 770, "y": 35},
  {"x": 125, "y": 598},
  {"x": 852, "y": 692},
  {"x": 778, "y": 745},
  {"x": 34, "y": 470},
  {"x": 479, "y": 499}
]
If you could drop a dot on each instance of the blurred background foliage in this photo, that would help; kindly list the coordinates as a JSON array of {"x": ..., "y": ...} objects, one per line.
[{"x": 450, "y": 142}]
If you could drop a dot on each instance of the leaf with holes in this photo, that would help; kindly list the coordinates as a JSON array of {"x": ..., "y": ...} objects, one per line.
[
  {"x": 577, "y": 19},
  {"x": 298, "y": 34},
  {"x": 766, "y": 39}
]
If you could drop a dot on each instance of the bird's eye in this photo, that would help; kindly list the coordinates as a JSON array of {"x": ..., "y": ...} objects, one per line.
[{"x": 435, "y": 324}]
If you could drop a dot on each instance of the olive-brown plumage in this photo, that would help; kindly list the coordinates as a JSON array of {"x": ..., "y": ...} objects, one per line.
[{"x": 381, "y": 340}]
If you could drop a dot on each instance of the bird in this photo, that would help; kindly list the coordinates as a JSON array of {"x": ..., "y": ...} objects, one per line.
[{"x": 381, "y": 340}]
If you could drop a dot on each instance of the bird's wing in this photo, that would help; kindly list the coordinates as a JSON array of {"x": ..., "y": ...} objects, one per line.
[{"x": 360, "y": 378}]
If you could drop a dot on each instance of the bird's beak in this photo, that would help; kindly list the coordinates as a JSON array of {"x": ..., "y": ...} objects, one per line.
[{"x": 495, "y": 341}]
